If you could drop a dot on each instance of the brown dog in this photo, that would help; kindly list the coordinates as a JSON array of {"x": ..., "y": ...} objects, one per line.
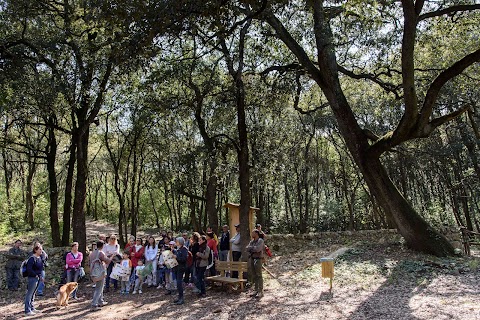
[{"x": 64, "y": 293}]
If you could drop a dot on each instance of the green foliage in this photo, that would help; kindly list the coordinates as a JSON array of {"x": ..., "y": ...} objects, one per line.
[{"x": 168, "y": 73}]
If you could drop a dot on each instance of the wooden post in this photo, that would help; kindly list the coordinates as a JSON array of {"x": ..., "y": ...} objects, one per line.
[
  {"x": 234, "y": 218},
  {"x": 327, "y": 269}
]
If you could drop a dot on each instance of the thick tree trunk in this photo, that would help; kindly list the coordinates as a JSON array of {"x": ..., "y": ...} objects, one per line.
[
  {"x": 133, "y": 198},
  {"x": 78, "y": 219},
  {"x": 8, "y": 174},
  {"x": 67, "y": 205},
  {"x": 51, "y": 152},
  {"x": 30, "y": 204},
  {"x": 210, "y": 206},
  {"x": 418, "y": 234}
]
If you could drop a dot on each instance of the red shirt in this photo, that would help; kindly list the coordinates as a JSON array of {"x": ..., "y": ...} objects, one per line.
[
  {"x": 212, "y": 244},
  {"x": 136, "y": 255}
]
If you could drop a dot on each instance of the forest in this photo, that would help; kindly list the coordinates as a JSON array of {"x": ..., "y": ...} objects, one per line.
[{"x": 325, "y": 115}]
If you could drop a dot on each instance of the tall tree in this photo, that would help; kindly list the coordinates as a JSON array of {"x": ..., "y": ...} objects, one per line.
[{"x": 417, "y": 118}]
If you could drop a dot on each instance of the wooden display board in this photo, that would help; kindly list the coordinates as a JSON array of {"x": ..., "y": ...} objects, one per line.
[{"x": 234, "y": 217}]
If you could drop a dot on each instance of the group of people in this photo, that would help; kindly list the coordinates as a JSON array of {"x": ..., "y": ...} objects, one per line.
[
  {"x": 173, "y": 263},
  {"x": 170, "y": 263}
]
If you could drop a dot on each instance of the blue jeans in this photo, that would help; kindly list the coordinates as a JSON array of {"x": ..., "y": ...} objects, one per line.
[
  {"x": 72, "y": 276},
  {"x": 12, "y": 277},
  {"x": 32, "y": 285},
  {"x": 179, "y": 271},
  {"x": 109, "y": 272},
  {"x": 41, "y": 285},
  {"x": 194, "y": 275},
  {"x": 160, "y": 275},
  {"x": 201, "y": 279}
]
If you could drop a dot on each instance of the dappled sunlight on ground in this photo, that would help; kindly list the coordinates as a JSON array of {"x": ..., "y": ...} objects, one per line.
[{"x": 372, "y": 281}]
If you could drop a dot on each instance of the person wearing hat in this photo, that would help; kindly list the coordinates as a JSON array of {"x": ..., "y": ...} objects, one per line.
[
  {"x": 224, "y": 244},
  {"x": 15, "y": 256},
  {"x": 236, "y": 248}
]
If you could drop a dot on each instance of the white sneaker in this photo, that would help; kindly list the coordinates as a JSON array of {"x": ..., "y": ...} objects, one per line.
[
  {"x": 140, "y": 291},
  {"x": 31, "y": 313},
  {"x": 160, "y": 286},
  {"x": 134, "y": 292},
  {"x": 94, "y": 285}
]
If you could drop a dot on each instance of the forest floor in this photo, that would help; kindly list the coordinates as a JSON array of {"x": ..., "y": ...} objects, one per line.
[{"x": 374, "y": 279}]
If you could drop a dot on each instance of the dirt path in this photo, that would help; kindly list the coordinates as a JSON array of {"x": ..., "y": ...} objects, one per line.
[{"x": 375, "y": 280}]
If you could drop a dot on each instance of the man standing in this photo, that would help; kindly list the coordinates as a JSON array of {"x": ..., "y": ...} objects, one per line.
[
  {"x": 236, "y": 248},
  {"x": 95, "y": 256},
  {"x": 15, "y": 256},
  {"x": 255, "y": 249},
  {"x": 224, "y": 244}
]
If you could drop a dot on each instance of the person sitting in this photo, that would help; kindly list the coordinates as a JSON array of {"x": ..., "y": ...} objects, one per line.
[{"x": 15, "y": 257}]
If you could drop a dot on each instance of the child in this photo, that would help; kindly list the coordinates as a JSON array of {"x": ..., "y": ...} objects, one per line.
[
  {"x": 126, "y": 264},
  {"x": 170, "y": 278},
  {"x": 138, "y": 277},
  {"x": 151, "y": 252},
  {"x": 161, "y": 269}
]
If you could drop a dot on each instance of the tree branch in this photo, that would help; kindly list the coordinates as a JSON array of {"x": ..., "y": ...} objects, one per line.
[
  {"x": 446, "y": 75},
  {"x": 389, "y": 87},
  {"x": 425, "y": 131},
  {"x": 449, "y": 11},
  {"x": 297, "y": 99}
]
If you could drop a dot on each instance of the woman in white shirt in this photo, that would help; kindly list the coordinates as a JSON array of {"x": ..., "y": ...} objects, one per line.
[
  {"x": 111, "y": 250},
  {"x": 151, "y": 251}
]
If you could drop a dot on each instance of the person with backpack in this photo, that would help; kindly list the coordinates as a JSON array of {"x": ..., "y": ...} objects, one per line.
[
  {"x": 73, "y": 263},
  {"x": 98, "y": 261},
  {"x": 181, "y": 255},
  {"x": 201, "y": 263},
  {"x": 44, "y": 257},
  {"x": 34, "y": 273},
  {"x": 15, "y": 257}
]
